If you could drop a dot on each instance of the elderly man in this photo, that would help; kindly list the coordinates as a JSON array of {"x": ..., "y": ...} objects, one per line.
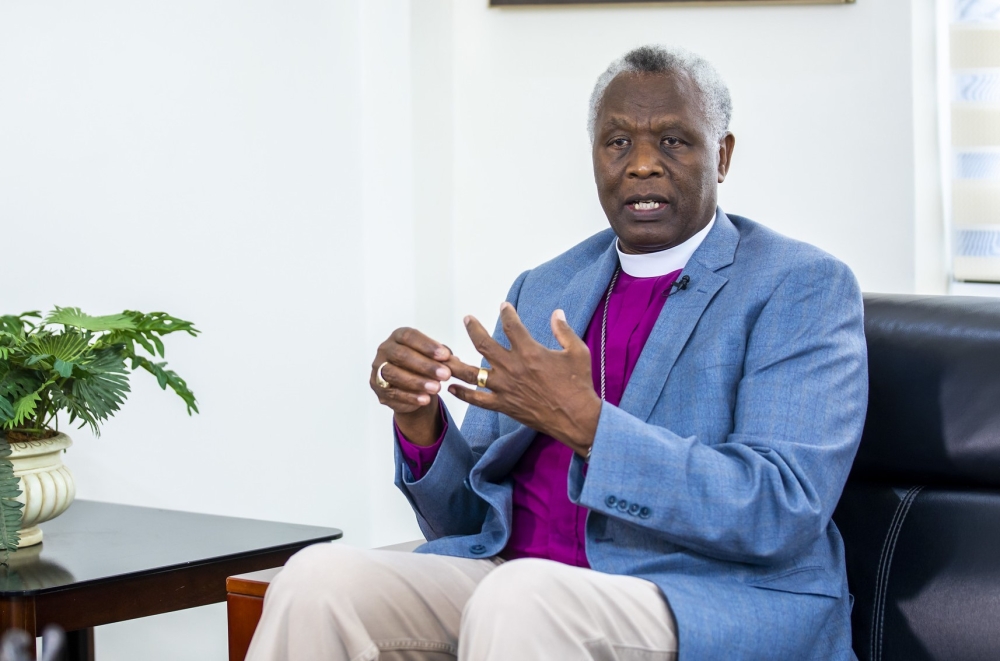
[{"x": 665, "y": 419}]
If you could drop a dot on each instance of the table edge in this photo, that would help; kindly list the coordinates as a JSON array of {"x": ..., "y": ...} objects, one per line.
[{"x": 8, "y": 594}]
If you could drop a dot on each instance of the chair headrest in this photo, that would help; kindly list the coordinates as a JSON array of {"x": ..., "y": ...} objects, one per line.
[{"x": 934, "y": 400}]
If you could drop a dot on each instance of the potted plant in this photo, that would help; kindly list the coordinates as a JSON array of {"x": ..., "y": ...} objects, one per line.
[{"x": 74, "y": 365}]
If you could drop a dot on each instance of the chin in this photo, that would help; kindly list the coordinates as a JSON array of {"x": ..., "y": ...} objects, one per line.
[
  {"x": 643, "y": 246},
  {"x": 638, "y": 241}
]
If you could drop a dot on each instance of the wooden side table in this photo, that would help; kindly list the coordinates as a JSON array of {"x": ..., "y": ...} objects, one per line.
[{"x": 102, "y": 563}]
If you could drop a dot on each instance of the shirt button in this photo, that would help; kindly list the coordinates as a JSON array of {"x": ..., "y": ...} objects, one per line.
[
  {"x": 610, "y": 501},
  {"x": 633, "y": 509},
  {"x": 644, "y": 513},
  {"x": 478, "y": 549},
  {"x": 622, "y": 505}
]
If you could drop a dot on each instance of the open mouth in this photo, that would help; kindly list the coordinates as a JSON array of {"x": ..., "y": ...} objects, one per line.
[{"x": 646, "y": 202}]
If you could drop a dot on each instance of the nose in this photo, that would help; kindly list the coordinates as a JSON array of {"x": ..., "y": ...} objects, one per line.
[{"x": 644, "y": 161}]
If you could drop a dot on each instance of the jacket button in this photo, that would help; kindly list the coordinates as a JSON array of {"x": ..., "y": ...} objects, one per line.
[
  {"x": 644, "y": 513},
  {"x": 467, "y": 484},
  {"x": 622, "y": 505},
  {"x": 610, "y": 501},
  {"x": 478, "y": 549},
  {"x": 633, "y": 509}
]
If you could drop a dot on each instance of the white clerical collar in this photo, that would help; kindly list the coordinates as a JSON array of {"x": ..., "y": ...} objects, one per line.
[{"x": 655, "y": 264}]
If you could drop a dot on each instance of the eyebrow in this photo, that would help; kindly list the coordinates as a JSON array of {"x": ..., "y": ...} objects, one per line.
[{"x": 620, "y": 122}]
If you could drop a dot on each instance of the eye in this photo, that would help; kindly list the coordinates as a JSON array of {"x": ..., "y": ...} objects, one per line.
[
  {"x": 619, "y": 142},
  {"x": 671, "y": 141}
]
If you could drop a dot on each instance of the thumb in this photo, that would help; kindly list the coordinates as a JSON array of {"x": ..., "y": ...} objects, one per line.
[{"x": 564, "y": 334}]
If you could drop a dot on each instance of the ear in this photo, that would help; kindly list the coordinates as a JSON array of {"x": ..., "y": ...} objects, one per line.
[{"x": 726, "y": 146}]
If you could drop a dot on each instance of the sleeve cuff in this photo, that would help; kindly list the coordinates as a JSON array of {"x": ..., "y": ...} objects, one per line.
[{"x": 420, "y": 457}]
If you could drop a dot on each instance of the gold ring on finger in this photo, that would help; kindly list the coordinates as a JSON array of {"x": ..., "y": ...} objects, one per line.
[
  {"x": 379, "y": 379},
  {"x": 483, "y": 375}
]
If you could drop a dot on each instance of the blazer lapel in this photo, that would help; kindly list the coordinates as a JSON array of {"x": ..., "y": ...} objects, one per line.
[
  {"x": 583, "y": 293},
  {"x": 681, "y": 313}
]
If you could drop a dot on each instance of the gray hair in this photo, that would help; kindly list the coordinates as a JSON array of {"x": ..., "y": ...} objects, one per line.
[{"x": 656, "y": 59}]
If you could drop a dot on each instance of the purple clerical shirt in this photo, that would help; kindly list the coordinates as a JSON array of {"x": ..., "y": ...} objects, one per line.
[{"x": 546, "y": 523}]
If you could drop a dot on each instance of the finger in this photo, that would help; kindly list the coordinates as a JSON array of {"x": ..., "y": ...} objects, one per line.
[
  {"x": 417, "y": 341},
  {"x": 513, "y": 328},
  {"x": 470, "y": 374},
  {"x": 462, "y": 371},
  {"x": 400, "y": 400},
  {"x": 480, "y": 398},
  {"x": 564, "y": 333},
  {"x": 408, "y": 381},
  {"x": 487, "y": 347},
  {"x": 413, "y": 361}
]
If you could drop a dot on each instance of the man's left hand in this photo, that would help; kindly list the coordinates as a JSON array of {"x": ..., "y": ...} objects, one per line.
[{"x": 549, "y": 391}]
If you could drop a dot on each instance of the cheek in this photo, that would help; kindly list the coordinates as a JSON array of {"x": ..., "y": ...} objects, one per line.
[
  {"x": 697, "y": 180},
  {"x": 612, "y": 171},
  {"x": 711, "y": 170},
  {"x": 605, "y": 179}
]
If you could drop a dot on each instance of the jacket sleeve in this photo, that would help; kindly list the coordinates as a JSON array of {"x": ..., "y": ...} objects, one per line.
[
  {"x": 770, "y": 489},
  {"x": 443, "y": 499}
]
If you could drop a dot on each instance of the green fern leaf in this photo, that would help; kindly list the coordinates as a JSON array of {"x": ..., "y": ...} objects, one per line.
[
  {"x": 63, "y": 368},
  {"x": 77, "y": 409},
  {"x": 148, "y": 330},
  {"x": 11, "y": 325},
  {"x": 24, "y": 408},
  {"x": 16, "y": 324},
  {"x": 160, "y": 323},
  {"x": 165, "y": 377},
  {"x": 101, "y": 384},
  {"x": 103, "y": 394},
  {"x": 78, "y": 319},
  {"x": 66, "y": 346},
  {"x": 17, "y": 383},
  {"x": 105, "y": 361},
  {"x": 142, "y": 340},
  {"x": 6, "y": 410},
  {"x": 10, "y": 507}
]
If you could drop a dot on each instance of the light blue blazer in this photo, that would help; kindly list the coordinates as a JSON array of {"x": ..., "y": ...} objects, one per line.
[{"x": 717, "y": 476}]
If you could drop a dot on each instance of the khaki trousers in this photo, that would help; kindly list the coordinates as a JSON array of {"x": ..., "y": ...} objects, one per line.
[{"x": 337, "y": 603}]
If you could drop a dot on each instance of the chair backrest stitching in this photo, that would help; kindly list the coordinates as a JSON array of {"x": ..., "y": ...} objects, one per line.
[
  {"x": 883, "y": 577},
  {"x": 872, "y": 649},
  {"x": 903, "y": 508}
]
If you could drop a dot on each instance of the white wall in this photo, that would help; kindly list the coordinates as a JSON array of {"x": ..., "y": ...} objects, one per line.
[
  {"x": 300, "y": 177},
  {"x": 226, "y": 161}
]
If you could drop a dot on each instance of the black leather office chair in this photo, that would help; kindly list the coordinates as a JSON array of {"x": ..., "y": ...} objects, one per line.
[{"x": 921, "y": 513}]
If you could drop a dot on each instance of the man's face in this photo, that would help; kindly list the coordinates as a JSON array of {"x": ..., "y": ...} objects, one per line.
[{"x": 656, "y": 162}]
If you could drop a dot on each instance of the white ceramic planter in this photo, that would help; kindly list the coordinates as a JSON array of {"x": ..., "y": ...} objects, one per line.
[{"x": 47, "y": 485}]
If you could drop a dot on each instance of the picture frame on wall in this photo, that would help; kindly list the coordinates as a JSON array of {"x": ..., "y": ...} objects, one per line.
[{"x": 702, "y": 3}]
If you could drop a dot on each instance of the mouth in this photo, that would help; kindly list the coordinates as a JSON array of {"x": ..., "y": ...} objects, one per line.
[{"x": 646, "y": 203}]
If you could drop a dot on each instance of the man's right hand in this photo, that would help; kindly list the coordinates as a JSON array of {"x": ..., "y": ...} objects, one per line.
[{"x": 414, "y": 366}]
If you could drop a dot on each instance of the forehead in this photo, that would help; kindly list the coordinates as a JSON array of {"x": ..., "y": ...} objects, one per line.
[{"x": 645, "y": 97}]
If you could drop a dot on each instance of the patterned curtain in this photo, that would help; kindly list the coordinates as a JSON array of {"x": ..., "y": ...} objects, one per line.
[{"x": 975, "y": 139}]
